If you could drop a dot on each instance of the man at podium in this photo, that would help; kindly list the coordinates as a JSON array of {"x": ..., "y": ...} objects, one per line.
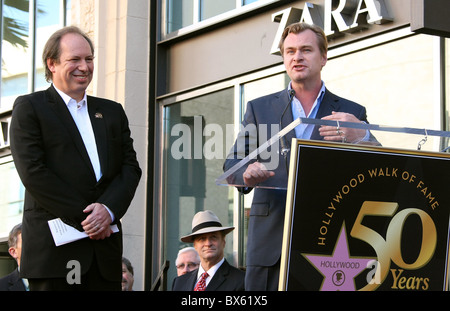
[{"x": 304, "y": 51}]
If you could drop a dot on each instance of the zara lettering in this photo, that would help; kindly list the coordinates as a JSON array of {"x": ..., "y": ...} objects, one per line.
[{"x": 335, "y": 17}]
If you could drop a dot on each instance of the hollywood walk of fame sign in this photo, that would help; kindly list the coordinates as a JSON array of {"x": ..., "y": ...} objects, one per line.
[{"x": 365, "y": 218}]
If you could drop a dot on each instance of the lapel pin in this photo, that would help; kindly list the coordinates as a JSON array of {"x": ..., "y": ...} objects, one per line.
[{"x": 98, "y": 115}]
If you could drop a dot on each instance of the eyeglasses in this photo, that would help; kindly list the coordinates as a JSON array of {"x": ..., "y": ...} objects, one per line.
[{"x": 190, "y": 265}]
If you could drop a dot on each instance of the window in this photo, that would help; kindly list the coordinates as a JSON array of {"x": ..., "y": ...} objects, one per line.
[
  {"x": 250, "y": 91},
  {"x": 198, "y": 133},
  {"x": 245, "y": 2},
  {"x": 22, "y": 68},
  {"x": 180, "y": 13},
  {"x": 183, "y": 13},
  {"x": 397, "y": 87},
  {"x": 23, "y": 39},
  {"x": 193, "y": 156},
  {"x": 211, "y": 8},
  {"x": 15, "y": 46},
  {"x": 52, "y": 14},
  {"x": 11, "y": 196}
]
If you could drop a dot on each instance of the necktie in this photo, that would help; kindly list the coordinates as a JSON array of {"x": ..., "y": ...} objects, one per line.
[{"x": 201, "y": 285}]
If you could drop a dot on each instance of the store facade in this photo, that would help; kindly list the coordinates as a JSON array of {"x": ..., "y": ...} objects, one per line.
[
  {"x": 211, "y": 68},
  {"x": 185, "y": 69}
]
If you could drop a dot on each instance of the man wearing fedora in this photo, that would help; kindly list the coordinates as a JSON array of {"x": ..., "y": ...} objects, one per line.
[{"x": 214, "y": 272}]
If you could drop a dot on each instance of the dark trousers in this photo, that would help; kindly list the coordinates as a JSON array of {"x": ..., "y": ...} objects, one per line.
[
  {"x": 91, "y": 281},
  {"x": 262, "y": 278}
]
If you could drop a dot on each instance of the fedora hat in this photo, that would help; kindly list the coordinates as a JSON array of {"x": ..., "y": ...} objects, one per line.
[{"x": 205, "y": 222}]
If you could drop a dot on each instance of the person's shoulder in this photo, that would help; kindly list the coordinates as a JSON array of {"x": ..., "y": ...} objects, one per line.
[
  {"x": 33, "y": 95},
  {"x": 186, "y": 276},
  {"x": 26, "y": 102},
  {"x": 233, "y": 269},
  {"x": 6, "y": 278},
  {"x": 102, "y": 100},
  {"x": 342, "y": 100},
  {"x": 180, "y": 281},
  {"x": 105, "y": 104}
]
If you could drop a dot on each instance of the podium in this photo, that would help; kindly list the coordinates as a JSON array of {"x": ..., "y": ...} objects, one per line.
[{"x": 361, "y": 217}]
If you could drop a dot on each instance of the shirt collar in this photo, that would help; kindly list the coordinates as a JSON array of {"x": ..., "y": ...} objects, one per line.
[
  {"x": 67, "y": 99},
  {"x": 315, "y": 107},
  {"x": 319, "y": 96},
  {"x": 211, "y": 270}
]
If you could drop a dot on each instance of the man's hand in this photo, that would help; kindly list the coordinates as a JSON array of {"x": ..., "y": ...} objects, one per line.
[
  {"x": 332, "y": 133},
  {"x": 97, "y": 223},
  {"x": 255, "y": 174}
]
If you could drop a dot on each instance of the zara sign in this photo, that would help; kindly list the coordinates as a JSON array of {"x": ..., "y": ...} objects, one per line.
[{"x": 336, "y": 17}]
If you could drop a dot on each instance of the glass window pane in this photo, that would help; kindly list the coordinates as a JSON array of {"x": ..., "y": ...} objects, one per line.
[
  {"x": 180, "y": 13},
  {"x": 11, "y": 198},
  {"x": 250, "y": 91},
  {"x": 15, "y": 74},
  {"x": 396, "y": 86},
  {"x": 7, "y": 263},
  {"x": 68, "y": 12},
  {"x": 47, "y": 22},
  {"x": 15, "y": 59},
  {"x": 194, "y": 153},
  {"x": 211, "y": 8},
  {"x": 263, "y": 87},
  {"x": 245, "y": 2}
]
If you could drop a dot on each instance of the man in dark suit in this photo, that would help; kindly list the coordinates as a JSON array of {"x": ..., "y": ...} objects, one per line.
[
  {"x": 214, "y": 272},
  {"x": 13, "y": 281},
  {"x": 74, "y": 154},
  {"x": 304, "y": 51}
]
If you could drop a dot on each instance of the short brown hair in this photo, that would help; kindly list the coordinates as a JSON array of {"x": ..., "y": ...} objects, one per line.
[
  {"x": 300, "y": 27},
  {"x": 52, "y": 49}
]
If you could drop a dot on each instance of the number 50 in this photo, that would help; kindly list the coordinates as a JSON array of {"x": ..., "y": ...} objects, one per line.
[{"x": 390, "y": 249}]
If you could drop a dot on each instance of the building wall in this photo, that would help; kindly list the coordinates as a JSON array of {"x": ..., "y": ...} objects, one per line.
[
  {"x": 244, "y": 45},
  {"x": 119, "y": 29}
]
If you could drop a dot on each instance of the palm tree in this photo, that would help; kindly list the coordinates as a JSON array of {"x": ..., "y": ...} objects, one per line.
[{"x": 14, "y": 31}]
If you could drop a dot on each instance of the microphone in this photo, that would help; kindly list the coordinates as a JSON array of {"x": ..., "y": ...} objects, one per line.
[{"x": 284, "y": 148}]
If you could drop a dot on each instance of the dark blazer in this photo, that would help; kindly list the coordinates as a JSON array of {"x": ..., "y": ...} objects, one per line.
[
  {"x": 266, "y": 222},
  {"x": 227, "y": 278},
  {"x": 12, "y": 282},
  {"x": 55, "y": 169}
]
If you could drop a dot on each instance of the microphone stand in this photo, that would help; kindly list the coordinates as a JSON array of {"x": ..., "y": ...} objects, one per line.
[{"x": 284, "y": 149}]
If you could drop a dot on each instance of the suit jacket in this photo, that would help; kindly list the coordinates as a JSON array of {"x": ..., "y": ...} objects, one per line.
[
  {"x": 12, "y": 282},
  {"x": 266, "y": 222},
  {"x": 227, "y": 278},
  {"x": 59, "y": 180}
]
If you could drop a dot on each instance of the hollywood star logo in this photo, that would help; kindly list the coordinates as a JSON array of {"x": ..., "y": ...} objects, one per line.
[{"x": 339, "y": 269}]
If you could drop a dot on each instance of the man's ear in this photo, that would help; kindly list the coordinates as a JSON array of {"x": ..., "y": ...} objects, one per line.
[
  {"x": 13, "y": 252},
  {"x": 51, "y": 64},
  {"x": 324, "y": 59}
]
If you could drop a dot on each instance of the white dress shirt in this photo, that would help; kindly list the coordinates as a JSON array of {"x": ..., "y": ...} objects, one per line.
[
  {"x": 304, "y": 131},
  {"x": 211, "y": 271},
  {"x": 80, "y": 115}
]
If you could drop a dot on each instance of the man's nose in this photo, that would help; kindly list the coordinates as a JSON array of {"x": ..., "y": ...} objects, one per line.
[
  {"x": 83, "y": 65},
  {"x": 298, "y": 55}
]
